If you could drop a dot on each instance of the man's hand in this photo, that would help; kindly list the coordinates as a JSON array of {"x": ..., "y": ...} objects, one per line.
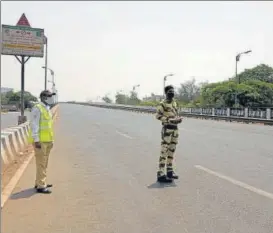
[
  {"x": 180, "y": 119},
  {"x": 37, "y": 145},
  {"x": 176, "y": 120}
]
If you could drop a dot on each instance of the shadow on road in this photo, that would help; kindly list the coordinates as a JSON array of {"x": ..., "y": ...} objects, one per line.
[
  {"x": 26, "y": 193},
  {"x": 157, "y": 185}
]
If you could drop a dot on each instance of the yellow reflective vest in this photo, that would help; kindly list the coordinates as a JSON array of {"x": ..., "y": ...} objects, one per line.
[{"x": 46, "y": 126}]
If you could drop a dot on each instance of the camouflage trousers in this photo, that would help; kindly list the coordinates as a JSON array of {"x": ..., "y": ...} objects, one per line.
[{"x": 168, "y": 146}]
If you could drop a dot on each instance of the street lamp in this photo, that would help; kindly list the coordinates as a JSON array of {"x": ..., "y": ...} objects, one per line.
[
  {"x": 237, "y": 59},
  {"x": 53, "y": 77},
  {"x": 164, "y": 82},
  {"x": 53, "y": 80}
]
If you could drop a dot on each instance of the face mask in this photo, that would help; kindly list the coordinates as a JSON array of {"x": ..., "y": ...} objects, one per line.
[
  {"x": 49, "y": 101},
  {"x": 170, "y": 95}
]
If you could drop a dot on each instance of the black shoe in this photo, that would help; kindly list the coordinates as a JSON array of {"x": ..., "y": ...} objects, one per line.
[
  {"x": 48, "y": 186},
  {"x": 44, "y": 190},
  {"x": 172, "y": 175},
  {"x": 164, "y": 179}
]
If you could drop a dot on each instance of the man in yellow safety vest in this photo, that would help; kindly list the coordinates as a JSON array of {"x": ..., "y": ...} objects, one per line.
[{"x": 41, "y": 136}]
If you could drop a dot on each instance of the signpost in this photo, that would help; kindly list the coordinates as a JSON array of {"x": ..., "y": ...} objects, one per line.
[{"x": 25, "y": 42}]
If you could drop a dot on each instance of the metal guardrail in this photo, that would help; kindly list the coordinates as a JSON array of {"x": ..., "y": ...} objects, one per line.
[{"x": 247, "y": 115}]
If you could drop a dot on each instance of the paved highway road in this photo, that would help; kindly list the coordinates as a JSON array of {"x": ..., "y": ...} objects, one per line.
[
  {"x": 103, "y": 167},
  {"x": 10, "y": 119}
]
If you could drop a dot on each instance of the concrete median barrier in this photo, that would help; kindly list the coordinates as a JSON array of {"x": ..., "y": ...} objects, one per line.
[{"x": 14, "y": 140}]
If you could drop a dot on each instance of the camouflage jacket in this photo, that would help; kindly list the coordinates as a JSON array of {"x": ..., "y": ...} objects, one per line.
[{"x": 166, "y": 110}]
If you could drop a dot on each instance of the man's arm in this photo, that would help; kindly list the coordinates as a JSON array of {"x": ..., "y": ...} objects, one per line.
[
  {"x": 177, "y": 119},
  {"x": 35, "y": 123},
  {"x": 160, "y": 116},
  {"x": 175, "y": 106}
]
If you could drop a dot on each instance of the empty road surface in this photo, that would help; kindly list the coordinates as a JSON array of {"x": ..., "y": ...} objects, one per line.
[
  {"x": 10, "y": 119},
  {"x": 103, "y": 167}
]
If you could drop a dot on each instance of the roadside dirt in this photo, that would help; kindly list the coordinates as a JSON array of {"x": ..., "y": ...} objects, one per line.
[{"x": 8, "y": 171}]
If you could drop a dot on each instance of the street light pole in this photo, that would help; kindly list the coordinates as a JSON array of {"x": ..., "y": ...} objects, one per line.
[
  {"x": 164, "y": 82},
  {"x": 236, "y": 66},
  {"x": 53, "y": 80},
  {"x": 237, "y": 59},
  {"x": 53, "y": 84},
  {"x": 46, "y": 56}
]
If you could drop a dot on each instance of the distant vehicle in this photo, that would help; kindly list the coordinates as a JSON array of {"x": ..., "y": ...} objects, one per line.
[
  {"x": 9, "y": 108},
  {"x": 12, "y": 108}
]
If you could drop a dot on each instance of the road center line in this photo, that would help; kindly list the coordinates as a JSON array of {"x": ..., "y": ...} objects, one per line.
[
  {"x": 123, "y": 134},
  {"x": 236, "y": 182}
]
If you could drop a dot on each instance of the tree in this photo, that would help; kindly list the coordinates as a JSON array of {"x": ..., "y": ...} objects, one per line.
[
  {"x": 189, "y": 91},
  {"x": 15, "y": 98},
  {"x": 261, "y": 93},
  {"x": 107, "y": 100},
  {"x": 29, "y": 97},
  {"x": 261, "y": 72},
  {"x": 133, "y": 99},
  {"x": 4, "y": 99},
  {"x": 121, "y": 98},
  {"x": 125, "y": 99},
  {"x": 255, "y": 89}
]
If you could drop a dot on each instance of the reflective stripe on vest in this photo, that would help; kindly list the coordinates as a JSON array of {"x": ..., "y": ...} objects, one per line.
[{"x": 46, "y": 126}]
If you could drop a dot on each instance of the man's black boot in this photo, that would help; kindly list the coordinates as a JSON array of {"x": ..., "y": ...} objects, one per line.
[
  {"x": 48, "y": 186},
  {"x": 43, "y": 190},
  {"x": 172, "y": 175},
  {"x": 162, "y": 178}
]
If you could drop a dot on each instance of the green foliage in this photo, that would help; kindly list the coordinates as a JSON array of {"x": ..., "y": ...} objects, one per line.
[
  {"x": 254, "y": 90},
  {"x": 121, "y": 98},
  {"x": 129, "y": 100},
  {"x": 261, "y": 72},
  {"x": 188, "y": 94},
  {"x": 4, "y": 99},
  {"x": 15, "y": 98},
  {"x": 107, "y": 100},
  {"x": 188, "y": 91}
]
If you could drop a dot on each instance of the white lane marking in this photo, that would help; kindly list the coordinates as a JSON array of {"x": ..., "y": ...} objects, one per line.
[
  {"x": 236, "y": 182},
  {"x": 123, "y": 134}
]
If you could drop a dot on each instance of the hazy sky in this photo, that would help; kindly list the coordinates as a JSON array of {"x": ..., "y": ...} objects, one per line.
[{"x": 101, "y": 47}]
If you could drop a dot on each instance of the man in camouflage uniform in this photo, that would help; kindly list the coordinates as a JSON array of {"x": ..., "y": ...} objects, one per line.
[{"x": 167, "y": 113}]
